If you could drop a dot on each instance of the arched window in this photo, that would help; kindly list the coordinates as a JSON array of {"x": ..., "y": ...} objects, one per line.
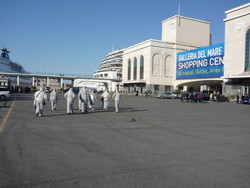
[
  {"x": 141, "y": 67},
  {"x": 247, "y": 52},
  {"x": 129, "y": 69},
  {"x": 156, "y": 65},
  {"x": 168, "y": 66},
  {"x": 135, "y": 68}
]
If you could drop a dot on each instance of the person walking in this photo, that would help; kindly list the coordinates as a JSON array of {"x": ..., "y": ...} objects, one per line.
[
  {"x": 102, "y": 100},
  {"x": 40, "y": 97},
  {"x": 218, "y": 96},
  {"x": 83, "y": 95},
  {"x": 79, "y": 100},
  {"x": 105, "y": 96},
  {"x": 201, "y": 97},
  {"x": 211, "y": 97},
  {"x": 69, "y": 95},
  {"x": 92, "y": 98},
  {"x": 116, "y": 98},
  {"x": 53, "y": 99}
]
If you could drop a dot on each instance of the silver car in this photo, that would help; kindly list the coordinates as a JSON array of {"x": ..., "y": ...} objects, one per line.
[{"x": 168, "y": 95}]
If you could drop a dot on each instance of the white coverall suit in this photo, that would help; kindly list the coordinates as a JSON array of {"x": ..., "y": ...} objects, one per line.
[
  {"x": 106, "y": 99},
  {"x": 69, "y": 95},
  {"x": 116, "y": 97},
  {"x": 40, "y": 97},
  {"x": 83, "y": 95},
  {"x": 53, "y": 99}
]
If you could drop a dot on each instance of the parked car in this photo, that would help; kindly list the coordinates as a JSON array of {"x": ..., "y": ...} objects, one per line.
[
  {"x": 178, "y": 94},
  {"x": 4, "y": 93},
  {"x": 167, "y": 96},
  {"x": 223, "y": 99},
  {"x": 245, "y": 100}
]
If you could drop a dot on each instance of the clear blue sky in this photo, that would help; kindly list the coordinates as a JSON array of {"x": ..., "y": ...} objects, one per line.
[{"x": 73, "y": 36}]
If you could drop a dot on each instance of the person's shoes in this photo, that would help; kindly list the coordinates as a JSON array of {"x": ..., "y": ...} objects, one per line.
[{"x": 36, "y": 114}]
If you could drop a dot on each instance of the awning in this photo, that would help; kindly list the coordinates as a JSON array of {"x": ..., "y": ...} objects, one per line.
[{"x": 134, "y": 83}]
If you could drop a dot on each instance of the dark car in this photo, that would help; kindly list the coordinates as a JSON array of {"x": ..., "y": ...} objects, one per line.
[{"x": 223, "y": 99}]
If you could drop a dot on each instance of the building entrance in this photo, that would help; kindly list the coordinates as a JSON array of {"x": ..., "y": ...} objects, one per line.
[{"x": 208, "y": 86}]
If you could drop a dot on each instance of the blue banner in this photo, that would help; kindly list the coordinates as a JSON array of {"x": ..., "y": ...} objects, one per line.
[{"x": 206, "y": 62}]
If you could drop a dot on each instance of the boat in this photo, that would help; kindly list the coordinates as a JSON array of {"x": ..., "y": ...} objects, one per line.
[
  {"x": 111, "y": 65},
  {"x": 9, "y": 66}
]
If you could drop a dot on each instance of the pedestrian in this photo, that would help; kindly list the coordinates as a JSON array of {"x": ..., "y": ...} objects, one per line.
[
  {"x": 106, "y": 96},
  {"x": 53, "y": 99},
  {"x": 136, "y": 93},
  {"x": 116, "y": 98},
  {"x": 218, "y": 96},
  {"x": 83, "y": 95},
  {"x": 195, "y": 96},
  {"x": 102, "y": 101},
  {"x": 40, "y": 97},
  {"x": 79, "y": 100},
  {"x": 182, "y": 96},
  {"x": 215, "y": 96},
  {"x": 69, "y": 95},
  {"x": 201, "y": 97},
  {"x": 187, "y": 96},
  {"x": 211, "y": 97},
  {"x": 238, "y": 98},
  {"x": 191, "y": 97},
  {"x": 92, "y": 98}
]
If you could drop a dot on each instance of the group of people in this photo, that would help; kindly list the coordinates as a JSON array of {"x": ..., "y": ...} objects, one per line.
[
  {"x": 86, "y": 100},
  {"x": 200, "y": 96},
  {"x": 192, "y": 97}
]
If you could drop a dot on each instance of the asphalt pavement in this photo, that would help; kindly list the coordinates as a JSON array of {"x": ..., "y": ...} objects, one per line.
[{"x": 149, "y": 143}]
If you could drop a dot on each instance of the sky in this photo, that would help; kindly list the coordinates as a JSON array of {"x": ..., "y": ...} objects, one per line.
[{"x": 73, "y": 36}]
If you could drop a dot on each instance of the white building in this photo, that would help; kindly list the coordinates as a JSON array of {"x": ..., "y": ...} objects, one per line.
[
  {"x": 151, "y": 65},
  {"x": 237, "y": 50}
]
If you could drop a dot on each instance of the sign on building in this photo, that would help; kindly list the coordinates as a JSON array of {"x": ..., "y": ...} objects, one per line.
[{"x": 206, "y": 62}]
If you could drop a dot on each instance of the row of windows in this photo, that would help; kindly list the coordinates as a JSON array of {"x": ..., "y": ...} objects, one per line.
[{"x": 135, "y": 68}]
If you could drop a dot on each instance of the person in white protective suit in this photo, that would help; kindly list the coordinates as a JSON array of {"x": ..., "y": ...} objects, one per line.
[
  {"x": 53, "y": 99},
  {"x": 116, "y": 98},
  {"x": 40, "y": 97},
  {"x": 69, "y": 95},
  {"x": 83, "y": 95},
  {"x": 105, "y": 96},
  {"x": 79, "y": 100},
  {"x": 93, "y": 100}
]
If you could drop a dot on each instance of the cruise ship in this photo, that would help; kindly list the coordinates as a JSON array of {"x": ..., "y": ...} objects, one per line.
[
  {"x": 111, "y": 66},
  {"x": 8, "y": 66}
]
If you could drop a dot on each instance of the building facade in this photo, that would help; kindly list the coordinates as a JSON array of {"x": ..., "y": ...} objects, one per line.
[
  {"x": 151, "y": 65},
  {"x": 237, "y": 51}
]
